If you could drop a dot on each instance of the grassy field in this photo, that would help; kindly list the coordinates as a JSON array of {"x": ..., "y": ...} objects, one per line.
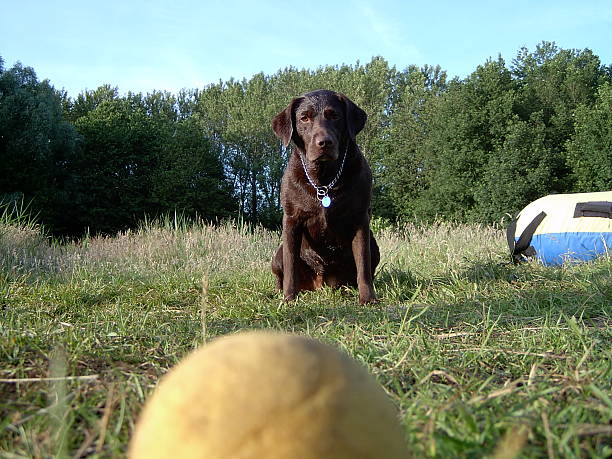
[{"x": 482, "y": 358}]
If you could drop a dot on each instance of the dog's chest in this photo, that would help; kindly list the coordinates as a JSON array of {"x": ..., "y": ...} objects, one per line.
[{"x": 329, "y": 232}]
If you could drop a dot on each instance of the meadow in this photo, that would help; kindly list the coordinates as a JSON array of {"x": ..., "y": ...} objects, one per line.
[{"x": 481, "y": 357}]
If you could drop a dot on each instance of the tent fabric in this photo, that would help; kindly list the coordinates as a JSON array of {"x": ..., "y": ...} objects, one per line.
[{"x": 574, "y": 228}]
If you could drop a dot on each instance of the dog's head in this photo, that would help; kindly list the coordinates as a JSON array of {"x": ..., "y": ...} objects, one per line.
[{"x": 319, "y": 123}]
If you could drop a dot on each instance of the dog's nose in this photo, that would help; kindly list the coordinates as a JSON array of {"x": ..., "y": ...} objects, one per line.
[{"x": 325, "y": 142}]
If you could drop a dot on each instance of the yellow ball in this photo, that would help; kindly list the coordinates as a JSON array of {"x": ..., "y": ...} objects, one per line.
[{"x": 268, "y": 395}]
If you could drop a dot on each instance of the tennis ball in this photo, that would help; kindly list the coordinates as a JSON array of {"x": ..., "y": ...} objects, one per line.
[{"x": 268, "y": 395}]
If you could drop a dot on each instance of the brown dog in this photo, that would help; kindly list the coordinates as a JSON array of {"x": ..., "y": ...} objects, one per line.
[{"x": 325, "y": 194}]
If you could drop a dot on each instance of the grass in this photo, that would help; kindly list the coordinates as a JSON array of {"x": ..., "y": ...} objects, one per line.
[{"x": 482, "y": 358}]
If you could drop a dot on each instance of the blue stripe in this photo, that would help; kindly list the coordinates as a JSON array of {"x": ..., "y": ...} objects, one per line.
[{"x": 559, "y": 248}]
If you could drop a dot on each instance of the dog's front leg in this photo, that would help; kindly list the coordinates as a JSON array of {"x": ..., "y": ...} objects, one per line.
[
  {"x": 363, "y": 261},
  {"x": 292, "y": 241}
]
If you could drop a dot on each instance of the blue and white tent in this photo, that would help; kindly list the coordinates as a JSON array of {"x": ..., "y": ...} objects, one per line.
[{"x": 563, "y": 228}]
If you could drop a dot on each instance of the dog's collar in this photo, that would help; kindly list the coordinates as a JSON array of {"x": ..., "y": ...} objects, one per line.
[{"x": 323, "y": 190}]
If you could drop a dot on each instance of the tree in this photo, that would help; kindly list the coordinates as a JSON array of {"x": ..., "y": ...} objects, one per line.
[
  {"x": 519, "y": 170},
  {"x": 35, "y": 142},
  {"x": 112, "y": 173},
  {"x": 87, "y": 101},
  {"x": 555, "y": 82},
  {"x": 401, "y": 158},
  {"x": 589, "y": 152},
  {"x": 497, "y": 140},
  {"x": 190, "y": 178},
  {"x": 143, "y": 156},
  {"x": 465, "y": 124},
  {"x": 238, "y": 116}
]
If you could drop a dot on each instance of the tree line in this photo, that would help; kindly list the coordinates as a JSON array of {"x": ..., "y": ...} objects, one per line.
[{"x": 468, "y": 149}]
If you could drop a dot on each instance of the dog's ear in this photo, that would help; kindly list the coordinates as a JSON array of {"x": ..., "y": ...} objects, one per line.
[
  {"x": 283, "y": 124},
  {"x": 355, "y": 117}
]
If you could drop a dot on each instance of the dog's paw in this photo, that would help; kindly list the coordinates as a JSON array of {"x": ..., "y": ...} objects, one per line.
[
  {"x": 290, "y": 297},
  {"x": 366, "y": 294},
  {"x": 371, "y": 299}
]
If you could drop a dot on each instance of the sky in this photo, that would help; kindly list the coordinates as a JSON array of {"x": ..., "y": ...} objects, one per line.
[{"x": 145, "y": 45}]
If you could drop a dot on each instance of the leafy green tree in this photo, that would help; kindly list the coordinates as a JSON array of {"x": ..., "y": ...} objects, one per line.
[
  {"x": 520, "y": 169},
  {"x": 589, "y": 152},
  {"x": 238, "y": 116},
  {"x": 87, "y": 101},
  {"x": 555, "y": 82},
  {"x": 112, "y": 174},
  {"x": 466, "y": 123},
  {"x": 497, "y": 140},
  {"x": 143, "y": 156},
  {"x": 190, "y": 178},
  {"x": 35, "y": 142},
  {"x": 400, "y": 162}
]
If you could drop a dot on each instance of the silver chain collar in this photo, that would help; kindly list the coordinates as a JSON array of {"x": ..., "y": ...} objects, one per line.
[{"x": 323, "y": 190}]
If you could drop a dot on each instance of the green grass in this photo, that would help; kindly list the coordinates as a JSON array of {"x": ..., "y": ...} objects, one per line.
[{"x": 481, "y": 358}]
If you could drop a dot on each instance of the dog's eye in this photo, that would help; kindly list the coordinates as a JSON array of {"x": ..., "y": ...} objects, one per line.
[{"x": 305, "y": 118}]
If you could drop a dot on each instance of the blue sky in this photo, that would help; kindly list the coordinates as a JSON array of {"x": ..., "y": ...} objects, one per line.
[{"x": 168, "y": 45}]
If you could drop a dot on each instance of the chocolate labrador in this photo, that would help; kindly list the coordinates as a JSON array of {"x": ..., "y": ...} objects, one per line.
[{"x": 325, "y": 193}]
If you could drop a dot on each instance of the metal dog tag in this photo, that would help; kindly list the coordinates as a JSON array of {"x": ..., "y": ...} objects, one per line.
[{"x": 326, "y": 201}]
